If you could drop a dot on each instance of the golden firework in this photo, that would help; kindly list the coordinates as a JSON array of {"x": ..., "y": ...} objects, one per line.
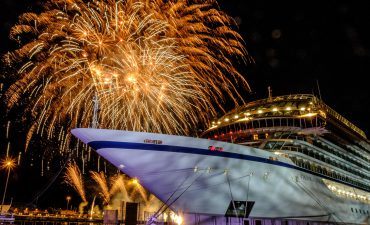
[
  {"x": 156, "y": 66},
  {"x": 73, "y": 178},
  {"x": 101, "y": 180}
]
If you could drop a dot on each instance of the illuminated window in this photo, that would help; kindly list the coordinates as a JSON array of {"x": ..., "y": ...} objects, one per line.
[
  {"x": 255, "y": 137},
  {"x": 266, "y": 135}
]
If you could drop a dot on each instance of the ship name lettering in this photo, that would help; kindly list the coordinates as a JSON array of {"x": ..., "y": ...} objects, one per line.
[{"x": 149, "y": 141}]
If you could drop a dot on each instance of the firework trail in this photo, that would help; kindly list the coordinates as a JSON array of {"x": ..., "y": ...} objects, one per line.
[
  {"x": 159, "y": 66},
  {"x": 73, "y": 178},
  {"x": 118, "y": 185},
  {"x": 101, "y": 180},
  {"x": 138, "y": 189},
  {"x": 92, "y": 207}
]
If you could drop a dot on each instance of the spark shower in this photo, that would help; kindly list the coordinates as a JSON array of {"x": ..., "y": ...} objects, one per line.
[{"x": 152, "y": 65}]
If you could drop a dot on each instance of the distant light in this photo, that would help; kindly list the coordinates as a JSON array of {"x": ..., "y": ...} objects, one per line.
[
  {"x": 288, "y": 108},
  {"x": 8, "y": 163},
  {"x": 260, "y": 111},
  {"x": 275, "y": 109},
  {"x": 226, "y": 119},
  {"x": 247, "y": 114},
  {"x": 303, "y": 108},
  {"x": 236, "y": 116},
  {"x": 276, "y": 34},
  {"x": 121, "y": 166},
  {"x": 218, "y": 122}
]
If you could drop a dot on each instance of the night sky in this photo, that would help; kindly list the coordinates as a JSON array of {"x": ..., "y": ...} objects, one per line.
[{"x": 295, "y": 45}]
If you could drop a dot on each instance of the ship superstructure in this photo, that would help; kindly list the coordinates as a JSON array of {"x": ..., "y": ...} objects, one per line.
[
  {"x": 304, "y": 129},
  {"x": 281, "y": 160}
]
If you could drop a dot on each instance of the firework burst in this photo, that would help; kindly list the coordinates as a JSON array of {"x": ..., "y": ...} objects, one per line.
[
  {"x": 119, "y": 186},
  {"x": 157, "y": 66},
  {"x": 74, "y": 179},
  {"x": 101, "y": 180}
]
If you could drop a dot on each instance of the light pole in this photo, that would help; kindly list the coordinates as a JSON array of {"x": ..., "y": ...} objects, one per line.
[
  {"x": 68, "y": 198},
  {"x": 8, "y": 163}
]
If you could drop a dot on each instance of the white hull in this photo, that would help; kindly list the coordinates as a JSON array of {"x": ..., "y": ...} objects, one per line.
[{"x": 185, "y": 174}]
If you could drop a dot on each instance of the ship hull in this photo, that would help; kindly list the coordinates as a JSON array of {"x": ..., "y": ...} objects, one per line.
[{"x": 200, "y": 176}]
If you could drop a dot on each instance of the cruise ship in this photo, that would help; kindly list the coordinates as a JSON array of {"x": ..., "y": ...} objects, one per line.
[{"x": 283, "y": 160}]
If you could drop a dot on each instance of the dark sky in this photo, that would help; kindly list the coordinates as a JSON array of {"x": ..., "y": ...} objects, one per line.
[{"x": 294, "y": 45}]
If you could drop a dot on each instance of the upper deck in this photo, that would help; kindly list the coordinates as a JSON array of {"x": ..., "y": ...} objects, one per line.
[{"x": 293, "y": 106}]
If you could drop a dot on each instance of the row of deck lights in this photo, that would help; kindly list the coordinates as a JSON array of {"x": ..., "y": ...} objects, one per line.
[
  {"x": 347, "y": 193},
  {"x": 247, "y": 114}
]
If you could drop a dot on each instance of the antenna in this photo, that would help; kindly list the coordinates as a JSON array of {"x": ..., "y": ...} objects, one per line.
[
  {"x": 94, "y": 124},
  {"x": 318, "y": 88},
  {"x": 95, "y": 111},
  {"x": 270, "y": 94}
]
